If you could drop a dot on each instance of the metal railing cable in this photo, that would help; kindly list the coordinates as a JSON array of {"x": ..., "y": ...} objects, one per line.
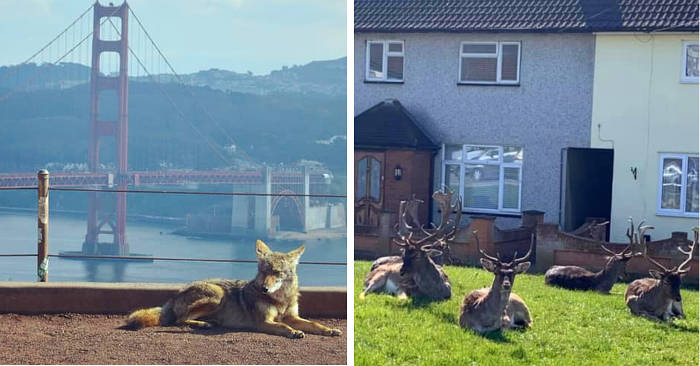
[
  {"x": 150, "y": 258},
  {"x": 209, "y": 193},
  {"x": 147, "y": 258}
]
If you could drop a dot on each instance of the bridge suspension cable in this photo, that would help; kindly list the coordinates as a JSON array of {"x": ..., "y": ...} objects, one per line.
[
  {"x": 7, "y": 74},
  {"x": 179, "y": 78},
  {"x": 34, "y": 75},
  {"x": 211, "y": 144}
]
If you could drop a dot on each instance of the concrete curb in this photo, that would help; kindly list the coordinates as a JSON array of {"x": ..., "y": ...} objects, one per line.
[{"x": 122, "y": 298}]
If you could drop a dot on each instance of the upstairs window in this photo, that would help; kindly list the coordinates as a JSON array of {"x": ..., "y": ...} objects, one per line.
[
  {"x": 489, "y": 63},
  {"x": 385, "y": 61},
  {"x": 489, "y": 178},
  {"x": 689, "y": 72},
  {"x": 678, "y": 185}
]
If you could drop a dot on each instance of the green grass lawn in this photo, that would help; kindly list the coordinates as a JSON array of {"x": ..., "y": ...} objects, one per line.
[{"x": 569, "y": 328}]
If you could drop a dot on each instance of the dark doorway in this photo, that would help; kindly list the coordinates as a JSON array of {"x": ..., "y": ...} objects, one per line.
[{"x": 586, "y": 186}]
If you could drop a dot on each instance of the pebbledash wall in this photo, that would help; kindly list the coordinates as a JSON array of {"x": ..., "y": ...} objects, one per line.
[
  {"x": 549, "y": 110},
  {"x": 643, "y": 109}
]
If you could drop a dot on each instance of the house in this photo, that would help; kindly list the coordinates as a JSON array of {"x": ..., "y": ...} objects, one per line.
[
  {"x": 508, "y": 90},
  {"x": 645, "y": 108}
]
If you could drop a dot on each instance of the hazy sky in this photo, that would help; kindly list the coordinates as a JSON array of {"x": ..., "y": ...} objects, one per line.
[{"x": 239, "y": 35}]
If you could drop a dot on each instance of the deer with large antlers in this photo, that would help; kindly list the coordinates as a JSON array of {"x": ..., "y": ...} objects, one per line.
[
  {"x": 659, "y": 298},
  {"x": 578, "y": 278},
  {"x": 415, "y": 272},
  {"x": 497, "y": 308}
]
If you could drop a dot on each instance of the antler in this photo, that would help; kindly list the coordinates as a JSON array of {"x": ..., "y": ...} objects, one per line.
[
  {"x": 635, "y": 238},
  {"x": 517, "y": 260},
  {"x": 646, "y": 255},
  {"x": 613, "y": 253},
  {"x": 483, "y": 253},
  {"x": 446, "y": 208},
  {"x": 689, "y": 253}
]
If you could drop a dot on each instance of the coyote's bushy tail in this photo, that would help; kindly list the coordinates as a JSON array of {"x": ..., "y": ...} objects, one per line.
[{"x": 151, "y": 317}]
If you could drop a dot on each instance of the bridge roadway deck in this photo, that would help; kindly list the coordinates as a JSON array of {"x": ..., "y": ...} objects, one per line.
[{"x": 24, "y": 180}]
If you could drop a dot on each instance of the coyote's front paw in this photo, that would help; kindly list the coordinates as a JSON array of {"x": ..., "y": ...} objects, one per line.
[
  {"x": 333, "y": 332},
  {"x": 296, "y": 334}
]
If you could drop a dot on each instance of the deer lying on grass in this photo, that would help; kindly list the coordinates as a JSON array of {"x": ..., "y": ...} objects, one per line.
[
  {"x": 659, "y": 298},
  {"x": 578, "y": 278},
  {"x": 415, "y": 273},
  {"x": 496, "y": 308}
]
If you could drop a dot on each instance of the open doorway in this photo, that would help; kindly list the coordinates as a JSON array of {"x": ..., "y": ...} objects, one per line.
[{"x": 586, "y": 186}]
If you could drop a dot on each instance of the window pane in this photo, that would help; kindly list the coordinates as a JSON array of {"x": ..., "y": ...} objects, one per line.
[
  {"x": 395, "y": 47},
  {"x": 511, "y": 188},
  {"x": 361, "y": 179},
  {"x": 479, "y": 48},
  {"x": 691, "y": 60},
  {"x": 452, "y": 177},
  {"x": 395, "y": 67},
  {"x": 509, "y": 62},
  {"x": 376, "y": 58},
  {"x": 478, "y": 69},
  {"x": 483, "y": 153},
  {"x": 671, "y": 184},
  {"x": 512, "y": 154},
  {"x": 691, "y": 191},
  {"x": 481, "y": 186},
  {"x": 453, "y": 152},
  {"x": 375, "y": 179}
]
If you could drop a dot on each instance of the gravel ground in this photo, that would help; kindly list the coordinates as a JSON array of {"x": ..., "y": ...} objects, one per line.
[{"x": 98, "y": 339}]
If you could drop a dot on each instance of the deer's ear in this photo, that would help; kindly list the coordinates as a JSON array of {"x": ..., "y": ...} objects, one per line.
[
  {"x": 488, "y": 264},
  {"x": 655, "y": 274},
  {"x": 522, "y": 267}
]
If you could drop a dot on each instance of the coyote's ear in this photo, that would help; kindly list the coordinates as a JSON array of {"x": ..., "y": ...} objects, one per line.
[
  {"x": 261, "y": 249},
  {"x": 296, "y": 253}
]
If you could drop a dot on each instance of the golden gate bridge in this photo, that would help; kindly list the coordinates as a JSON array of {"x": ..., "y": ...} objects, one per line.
[{"x": 108, "y": 42}]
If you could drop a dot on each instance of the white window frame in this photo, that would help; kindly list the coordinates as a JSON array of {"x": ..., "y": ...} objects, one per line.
[
  {"x": 502, "y": 166},
  {"x": 684, "y": 58},
  {"x": 499, "y": 60},
  {"x": 684, "y": 185},
  {"x": 385, "y": 58}
]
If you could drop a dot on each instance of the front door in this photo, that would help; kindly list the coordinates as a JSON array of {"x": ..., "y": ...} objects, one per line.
[{"x": 369, "y": 188}]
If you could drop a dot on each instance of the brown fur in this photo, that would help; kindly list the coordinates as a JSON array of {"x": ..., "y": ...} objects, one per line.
[
  {"x": 268, "y": 303},
  {"x": 496, "y": 308}
]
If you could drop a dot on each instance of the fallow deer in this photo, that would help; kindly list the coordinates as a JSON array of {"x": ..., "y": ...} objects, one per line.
[
  {"x": 415, "y": 273},
  {"x": 410, "y": 220},
  {"x": 578, "y": 278},
  {"x": 659, "y": 298},
  {"x": 497, "y": 308}
]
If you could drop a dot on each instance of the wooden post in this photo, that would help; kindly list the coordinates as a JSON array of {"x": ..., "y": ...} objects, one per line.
[{"x": 42, "y": 258}]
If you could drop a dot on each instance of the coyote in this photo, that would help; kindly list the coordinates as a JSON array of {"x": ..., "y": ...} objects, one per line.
[{"x": 266, "y": 304}]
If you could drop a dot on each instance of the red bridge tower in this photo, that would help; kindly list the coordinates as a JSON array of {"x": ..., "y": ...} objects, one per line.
[{"x": 100, "y": 212}]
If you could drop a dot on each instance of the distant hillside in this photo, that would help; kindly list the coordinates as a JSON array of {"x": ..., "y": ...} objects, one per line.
[
  {"x": 317, "y": 77},
  {"x": 290, "y": 115}
]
